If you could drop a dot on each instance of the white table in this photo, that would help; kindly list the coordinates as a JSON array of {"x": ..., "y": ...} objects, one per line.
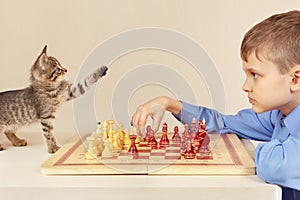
[{"x": 20, "y": 178}]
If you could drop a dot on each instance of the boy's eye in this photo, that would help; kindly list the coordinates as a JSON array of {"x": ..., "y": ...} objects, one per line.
[{"x": 254, "y": 75}]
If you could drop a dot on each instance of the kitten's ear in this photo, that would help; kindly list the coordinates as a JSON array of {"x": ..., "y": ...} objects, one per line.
[
  {"x": 45, "y": 50},
  {"x": 42, "y": 58}
]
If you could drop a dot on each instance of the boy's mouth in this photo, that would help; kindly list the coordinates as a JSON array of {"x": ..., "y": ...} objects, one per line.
[{"x": 251, "y": 100}]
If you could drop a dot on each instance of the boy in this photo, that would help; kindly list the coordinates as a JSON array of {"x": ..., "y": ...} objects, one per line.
[{"x": 271, "y": 61}]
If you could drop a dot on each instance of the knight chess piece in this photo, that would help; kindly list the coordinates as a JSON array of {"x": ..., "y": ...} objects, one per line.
[{"x": 189, "y": 152}]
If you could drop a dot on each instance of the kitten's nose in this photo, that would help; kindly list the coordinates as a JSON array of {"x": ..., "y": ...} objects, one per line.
[{"x": 64, "y": 70}]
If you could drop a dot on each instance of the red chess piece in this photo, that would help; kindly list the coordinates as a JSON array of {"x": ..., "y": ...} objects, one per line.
[
  {"x": 185, "y": 137},
  {"x": 189, "y": 152},
  {"x": 151, "y": 139},
  {"x": 176, "y": 137},
  {"x": 204, "y": 138},
  {"x": 148, "y": 129},
  {"x": 132, "y": 149},
  {"x": 186, "y": 133},
  {"x": 164, "y": 140}
]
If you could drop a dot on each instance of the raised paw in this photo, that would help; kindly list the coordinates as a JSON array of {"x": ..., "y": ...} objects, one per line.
[
  {"x": 53, "y": 149},
  {"x": 19, "y": 142},
  {"x": 102, "y": 70},
  {"x": 1, "y": 147}
]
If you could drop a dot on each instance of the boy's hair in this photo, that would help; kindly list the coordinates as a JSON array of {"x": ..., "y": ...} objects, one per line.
[{"x": 276, "y": 39}]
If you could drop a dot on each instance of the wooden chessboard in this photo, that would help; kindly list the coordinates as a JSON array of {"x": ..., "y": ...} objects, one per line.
[{"x": 228, "y": 156}]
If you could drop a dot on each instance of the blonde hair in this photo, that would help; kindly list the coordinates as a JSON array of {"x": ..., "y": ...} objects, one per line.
[{"x": 276, "y": 39}]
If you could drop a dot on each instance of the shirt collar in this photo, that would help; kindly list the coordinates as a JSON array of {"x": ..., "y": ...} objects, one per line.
[{"x": 292, "y": 120}]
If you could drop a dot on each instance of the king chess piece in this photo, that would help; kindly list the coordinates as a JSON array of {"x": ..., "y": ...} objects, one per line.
[
  {"x": 132, "y": 149},
  {"x": 164, "y": 140}
]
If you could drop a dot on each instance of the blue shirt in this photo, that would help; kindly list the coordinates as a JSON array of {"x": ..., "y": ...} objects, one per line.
[{"x": 278, "y": 159}]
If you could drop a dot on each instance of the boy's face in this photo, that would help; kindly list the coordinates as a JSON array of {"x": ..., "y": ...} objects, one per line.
[{"x": 267, "y": 87}]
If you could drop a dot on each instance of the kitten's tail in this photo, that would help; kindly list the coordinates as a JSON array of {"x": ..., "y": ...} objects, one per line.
[{"x": 81, "y": 87}]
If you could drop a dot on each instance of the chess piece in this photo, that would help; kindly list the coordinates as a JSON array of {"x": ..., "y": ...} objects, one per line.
[
  {"x": 121, "y": 134},
  {"x": 148, "y": 129},
  {"x": 204, "y": 139},
  {"x": 110, "y": 130},
  {"x": 91, "y": 152},
  {"x": 164, "y": 140},
  {"x": 133, "y": 132},
  {"x": 176, "y": 137},
  {"x": 116, "y": 143},
  {"x": 107, "y": 151},
  {"x": 185, "y": 137},
  {"x": 132, "y": 149},
  {"x": 105, "y": 130},
  {"x": 189, "y": 152},
  {"x": 151, "y": 139},
  {"x": 195, "y": 136},
  {"x": 126, "y": 138}
]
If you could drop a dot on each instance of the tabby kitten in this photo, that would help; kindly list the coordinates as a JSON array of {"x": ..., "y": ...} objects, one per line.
[{"x": 40, "y": 101}]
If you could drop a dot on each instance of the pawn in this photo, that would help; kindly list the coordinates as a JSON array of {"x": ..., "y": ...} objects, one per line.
[
  {"x": 148, "y": 129},
  {"x": 91, "y": 152},
  {"x": 116, "y": 143},
  {"x": 164, "y": 140},
  {"x": 132, "y": 149},
  {"x": 121, "y": 133},
  {"x": 151, "y": 139},
  {"x": 126, "y": 138},
  {"x": 189, "y": 152},
  {"x": 107, "y": 151},
  {"x": 176, "y": 137}
]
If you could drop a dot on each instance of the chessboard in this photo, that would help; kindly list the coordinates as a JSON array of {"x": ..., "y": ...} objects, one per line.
[{"x": 228, "y": 156}]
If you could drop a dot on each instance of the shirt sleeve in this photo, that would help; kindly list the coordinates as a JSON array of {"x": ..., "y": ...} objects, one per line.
[
  {"x": 246, "y": 123},
  {"x": 277, "y": 162}
]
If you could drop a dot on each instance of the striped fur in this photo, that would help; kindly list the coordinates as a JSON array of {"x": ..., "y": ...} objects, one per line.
[{"x": 39, "y": 102}]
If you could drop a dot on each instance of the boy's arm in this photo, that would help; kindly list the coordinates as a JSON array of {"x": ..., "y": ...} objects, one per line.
[
  {"x": 245, "y": 123},
  {"x": 278, "y": 163}
]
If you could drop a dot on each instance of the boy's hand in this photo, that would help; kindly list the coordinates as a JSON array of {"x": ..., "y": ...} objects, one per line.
[{"x": 139, "y": 119}]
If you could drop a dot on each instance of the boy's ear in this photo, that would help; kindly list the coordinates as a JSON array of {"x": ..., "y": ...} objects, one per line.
[{"x": 295, "y": 78}]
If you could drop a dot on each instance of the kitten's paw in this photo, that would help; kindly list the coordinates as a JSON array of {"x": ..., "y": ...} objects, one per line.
[
  {"x": 1, "y": 147},
  {"x": 20, "y": 143},
  {"x": 53, "y": 149},
  {"x": 102, "y": 71}
]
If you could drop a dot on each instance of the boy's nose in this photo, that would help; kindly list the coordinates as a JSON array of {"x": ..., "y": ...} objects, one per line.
[{"x": 246, "y": 86}]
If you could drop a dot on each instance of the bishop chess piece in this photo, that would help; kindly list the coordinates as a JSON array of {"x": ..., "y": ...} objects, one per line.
[
  {"x": 132, "y": 149},
  {"x": 164, "y": 140},
  {"x": 185, "y": 137}
]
